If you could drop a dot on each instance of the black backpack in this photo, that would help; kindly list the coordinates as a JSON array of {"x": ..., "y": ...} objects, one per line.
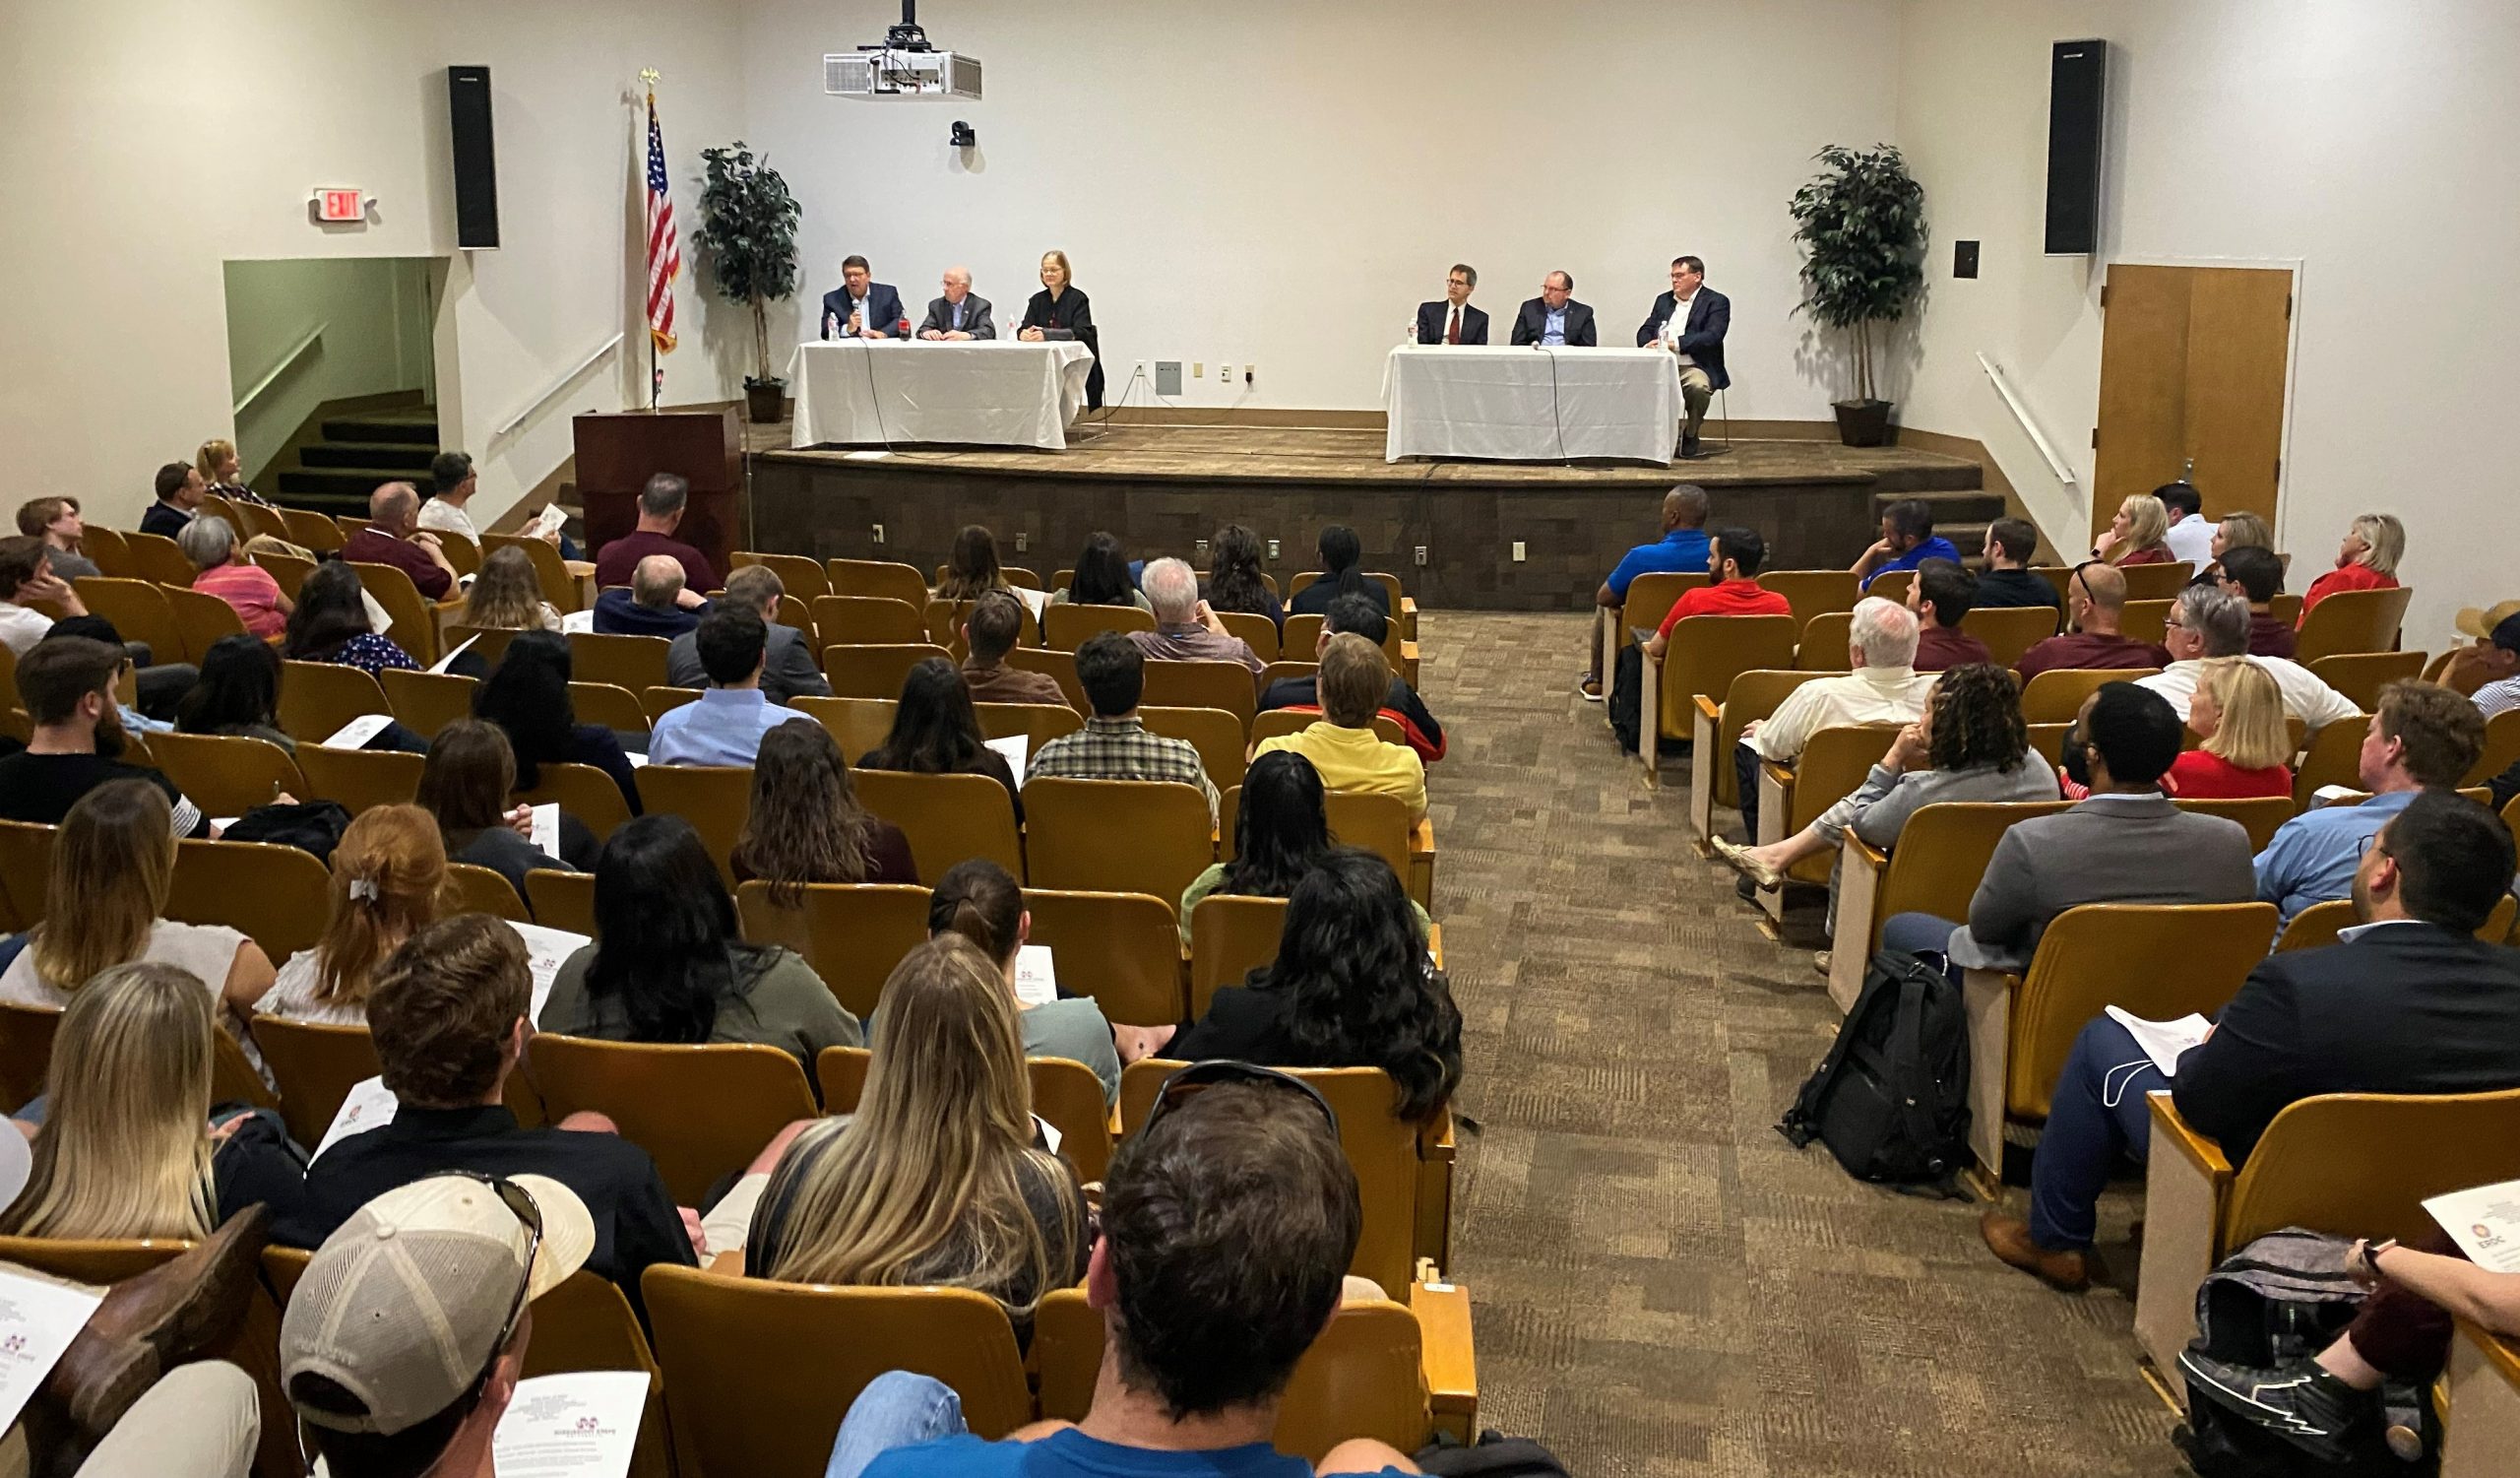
[
  {"x": 1891, "y": 1099},
  {"x": 1493, "y": 1455}
]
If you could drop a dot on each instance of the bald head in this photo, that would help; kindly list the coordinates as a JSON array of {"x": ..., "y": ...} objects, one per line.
[
  {"x": 395, "y": 508},
  {"x": 655, "y": 580},
  {"x": 1684, "y": 507},
  {"x": 2103, "y": 584}
]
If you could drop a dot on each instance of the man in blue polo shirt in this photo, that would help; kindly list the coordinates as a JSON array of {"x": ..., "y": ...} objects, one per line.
[
  {"x": 2425, "y": 736},
  {"x": 1907, "y": 541},
  {"x": 1680, "y": 550}
]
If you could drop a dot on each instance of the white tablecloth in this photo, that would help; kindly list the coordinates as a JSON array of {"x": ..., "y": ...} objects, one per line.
[
  {"x": 982, "y": 392},
  {"x": 1531, "y": 404}
]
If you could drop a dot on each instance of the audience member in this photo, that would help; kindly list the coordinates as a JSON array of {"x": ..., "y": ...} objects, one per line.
[
  {"x": 1351, "y": 986},
  {"x": 447, "y": 1014},
  {"x": 725, "y": 726},
  {"x": 26, "y": 573},
  {"x": 238, "y": 694},
  {"x": 57, "y": 523},
  {"x": 1343, "y": 745},
  {"x": 788, "y": 669},
  {"x": 1101, "y": 578},
  {"x": 2190, "y": 535},
  {"x": 2423, "y": 737},
  {"x": 331, "y": 624},
  {"x": 2138, "y": 535},
  {"x": 1228, "y": 1225},
  {"x": 2240, "y": 531},
  {"x": 67, "y": 686},
  {"x": 1884, "y": 687},
  {"x": 1682, "y": 550},
  {"x": 668, "y": 963},
  {"x": 1281, "y": 831},
  {"x": 1342, "y": 574},
  {"x": 452, "y": 483},
  {"x": 2094, "y": 604},
  {"x": 1234, "y": 581},
  {"x": 980, "y": 901},
  {"x": 225, "y": 571},
  {"x": 2247, "y": 749},
  {"x": 971, "y": 570},
  {"x": 1734, "y": 558},
  {"x": 2007, "y": 580},
  {"x": 128, "y": 1148},
  {"x": 466, "y": 784},
  {"x": 1185, "y": 629},
  {"x": 2256, "y": 576},
  {"x": 507, "y": 595},
  {"x": 393, "y": 536},
  {"x": 655, "y": 602},
  {"x": 807, "y": 824},
  {"x": 2206, "y": 622},
  {"x": 989, "y": 632},
  {"x": 222, "y": 472},
  {"x": 388, "y": 883},
  {"x": 527, "y": 695},
  {"x": 155, "y": 688},
  {"x": 936, "y": 731},
  {"x": 660, "y": 508},
  {"x": 1356, "y": 615},
  {"x": 2410, "y": 1002},
  {"x": 1907, "y": 541},
  {"x": 2366, "y": 558},
  {"x": 180, "y": 489},
  {"x": 1113, "y": 745},
  {"x": 1940, "y": 597},
  {"x": 2126, "y": 844},
  {"x": 2494, "y": 659}
]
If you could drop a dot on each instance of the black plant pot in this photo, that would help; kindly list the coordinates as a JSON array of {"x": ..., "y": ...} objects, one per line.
[
  {"x": 767, "y": 402},
  {"x": 1863, "y": 423}
]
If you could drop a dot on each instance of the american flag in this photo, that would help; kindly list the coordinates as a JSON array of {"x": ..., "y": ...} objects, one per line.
[{"x": 664, "y": 253}]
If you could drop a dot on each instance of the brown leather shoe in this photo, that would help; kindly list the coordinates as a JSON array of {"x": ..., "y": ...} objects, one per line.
[
  {"x": 157, "y": 1319},
  {"x": 2008, "y": 1238}
]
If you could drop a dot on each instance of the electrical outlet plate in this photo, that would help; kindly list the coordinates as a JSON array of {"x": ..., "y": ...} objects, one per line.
[
  {"x": 1518, "y": 551},
  {"x": 1421, "y": 554},
  {"x": 1273, "y": 550},
  {"x": 1198, "y": 369},
  {"x": 1023, "y": 541},
  {"x": 879, "y": 533}
]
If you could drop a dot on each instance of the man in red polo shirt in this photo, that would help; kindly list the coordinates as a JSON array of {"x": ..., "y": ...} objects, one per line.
[
  {"x": 393, "y": 536},
  {"x": 1733, "y": 558}
]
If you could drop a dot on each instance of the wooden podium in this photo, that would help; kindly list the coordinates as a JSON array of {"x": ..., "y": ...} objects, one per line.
[{"x": 619, "y": 452}]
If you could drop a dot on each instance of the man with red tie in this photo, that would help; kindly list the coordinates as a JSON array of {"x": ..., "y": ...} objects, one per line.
[{"x": 1452, "y": 320}]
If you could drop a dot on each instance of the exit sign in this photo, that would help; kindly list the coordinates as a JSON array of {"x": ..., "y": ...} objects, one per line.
[{"x": 341, "y": 205}]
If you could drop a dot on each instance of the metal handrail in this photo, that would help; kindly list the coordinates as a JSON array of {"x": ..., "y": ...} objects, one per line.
[
  {"x": 2021, "y": 413},
  {"x": 562, "y": 383},
  {"x": 281, "y": 368}
]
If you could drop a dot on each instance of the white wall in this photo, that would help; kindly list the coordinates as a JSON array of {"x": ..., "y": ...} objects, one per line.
[
  {"x": 2365, "y": 141},
  {"x": 152, "y": 140},
  {"x": 1283, "y": 183}
]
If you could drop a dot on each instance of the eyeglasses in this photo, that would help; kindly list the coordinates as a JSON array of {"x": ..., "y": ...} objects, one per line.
[
  {"x": 2077, "y": 577},
  {"x": 1198, "y": 1077}
]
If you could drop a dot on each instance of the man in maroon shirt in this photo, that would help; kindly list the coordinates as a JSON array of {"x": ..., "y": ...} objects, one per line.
[
  {"x": 2094, "y": 602},
  {"x": 393, "y": 536},
  {"x": 659, "y": 514},
  {"x": 1940, "y": 596},
  {"x": 1733, "y": 559}
]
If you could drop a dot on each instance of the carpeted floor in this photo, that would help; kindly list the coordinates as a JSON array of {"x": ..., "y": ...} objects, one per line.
[{"x": 1662, "y": 1284}]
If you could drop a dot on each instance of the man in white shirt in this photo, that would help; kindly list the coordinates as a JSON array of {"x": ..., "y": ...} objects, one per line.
[
  {"x": 2207, "y": 621},
  {"x": 26, "y": 573},
  {"x": 2191, "y": 532},
  {"x": 1691, "y": 321},
  {"x": 1884, "y": 687},
  {"x": 453, "y": 482},
  {"x": 2495, "y": 656}
]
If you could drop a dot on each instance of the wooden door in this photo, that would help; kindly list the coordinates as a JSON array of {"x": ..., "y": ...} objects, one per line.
[{"x": 2191, "y": 366}]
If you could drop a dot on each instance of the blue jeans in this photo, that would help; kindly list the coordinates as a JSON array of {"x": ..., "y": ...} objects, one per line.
[
  {"x": 897, "y": 1409},
  {"x": 1919, "y": 933},
  {"x": 2097, "y": 1118},
  {"x": 1745, "y": 776}
]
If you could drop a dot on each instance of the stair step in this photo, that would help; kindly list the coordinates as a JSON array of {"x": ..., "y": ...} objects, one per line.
[
  {"x": 339, "y": 482},
  {"x": 1951, "y": 506},
  {"x": 329, "y": 504},
  {"x": 409, "y": 456},
  {"x": 410, "y": 430}
]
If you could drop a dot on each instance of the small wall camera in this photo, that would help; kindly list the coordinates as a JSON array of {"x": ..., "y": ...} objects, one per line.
[{"x": 964, "y": 137}]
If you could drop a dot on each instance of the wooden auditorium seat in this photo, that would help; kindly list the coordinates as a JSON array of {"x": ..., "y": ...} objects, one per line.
[
  {"x": 702, "y": 1112},
  {"x": 1706, "y": 653},
  {"x": 1715, "y": 728},
  {"x": 1935, "y": 869},
  {"x": 853, "y": 933}
]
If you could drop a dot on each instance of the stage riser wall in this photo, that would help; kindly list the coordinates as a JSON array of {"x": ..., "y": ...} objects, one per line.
[{"x": 1572, "y": 538}]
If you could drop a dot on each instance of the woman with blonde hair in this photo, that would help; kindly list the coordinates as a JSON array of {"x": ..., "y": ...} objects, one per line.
[
  {"x": 224, "y": 471},
  {"x": 2139, "y": 534},
  {"x": 507, "y": 596},
  {"x": 2247, "y": 750},
  {"x": 2366, "y": 558},
  {"x": 2237, "y": 530},
  {"x": 940, "y": 1176},
  {"x": 127, "y": 1148},
  {"x": 388, "y": 883},
  {"x": 1060, "y": 311}
]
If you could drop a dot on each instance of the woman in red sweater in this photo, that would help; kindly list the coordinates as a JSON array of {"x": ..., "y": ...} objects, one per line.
[
  {"x": 2366, "y": 559},
  {"x": 2239, "y": 711}
]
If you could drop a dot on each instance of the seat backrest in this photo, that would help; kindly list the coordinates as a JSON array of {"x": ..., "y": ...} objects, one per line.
[
  {"x": 798, "y": 575},
  {"x": 1811, "y": 592},
  {"x": 2361, "y": 676},
  {"x": 2009, "y": 630},
  {"x": 481, "y": 890},
  {"x": 853, "y": 933},
  {"x": 1123, "y": 949},
  {"x": 1390, "y": 584},
  {"x": 562, "y": 900},
  {"x": 717, "y": 800},
  {"x": 311, "y": 531},
  {"x": 105, "y": 548},
  {"x": 1942, "y": 853},
  {"x": 1039, "y": 722},
  {"x": 1276, "y": 722},
  {"x": 886, "y": 578},
  {"x": 1649, "y": 598},
  {"x": 414, "y": 627},
  {"x": 2501, "y": 741},
  {"x": 157, "y": 560},
  {"x": 138, "y": 610},
  {"x": 316, "y": 698},
  {"x": 2320, "y": 923},
  {"x": 1059, "y": 667},
  {"x": 840, "y": 1076},
  {"x": 489, "y": 643},
  {"x": 2352, "y": 620},
  {"x": 1223, "y": 685},
  {"x": 280, "y": 897},
  {"x": 875, "y": 672},
  {"x": 947, "y": 818},
  {"x": 2145, "y": 620},
  {"x": 1378, "y": 823},
  {"x": 227, "y": 774},
  {"x": 608, "y": 704},
  {"x": 2157, "y": 961},
  {"x": 2156, "y": 582},
  {"x": 1834, "y": 763},
  {"x": 316, "y": 1065},
  {"x": 1231, "y": 935},
  {"x": 1065, "y": 626},
  {"x": 1890, "y": 585},
  {"x": 867, "y": 620},
  {"x": 1752, "y": 697},
  {"x": 2056, "y": 696},
  {"x": 2259, "y": 815},
  {"x": 201, "y": 619},
  {"x": 426, "y": 702},
  {"x": 25, "y": 1050},
  {"x": 582, "y": 791},
  {"x": 2334, "y": 756},
  {"x": 287, "y": 571},
  {"x": 25, "y": 871},
  {"x": 859, "y": 726},
  {"x": 1120, "y": 836},
  {"x": 2362, "y": 1164},
  {"x": 563, "y": 590},
  {"x": 702, "y": 1112},
  {"x": 1707, "y": 652},
  {"x": 1257, "y": 631},
  {"x": 735, "y": 1410},
  {"x": 1302, "y": 638},
  {"x": 1215, "y": 732},
  {"x": 1069, "y": 1097},
  {"x": 1822, "y": 645},
  {"x": 629, "y": 662}
]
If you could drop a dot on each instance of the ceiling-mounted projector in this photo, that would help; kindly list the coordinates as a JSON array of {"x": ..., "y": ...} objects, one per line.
[{"x": 902, "y": 65}]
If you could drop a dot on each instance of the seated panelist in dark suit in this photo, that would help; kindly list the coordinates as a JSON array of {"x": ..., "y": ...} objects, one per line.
[
  {"x": 1060, "y": 311},
  {"x": 1555, "y": 317},
  {"x": 1451, "y": 319},
  {"x": 862, "y": 308},
  {"x": 961, "y": 313},
  {"x": 1690, "y": 321}
]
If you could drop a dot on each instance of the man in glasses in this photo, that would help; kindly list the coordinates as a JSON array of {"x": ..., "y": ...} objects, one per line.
[
  {"x": 406, "y": 1337},
  {"x": 1227, "y": 1224},
  {"x": 1451, "y": 319},
  {"x": 2207, "y": 621},
  {"x": 2094, "y": 604}
]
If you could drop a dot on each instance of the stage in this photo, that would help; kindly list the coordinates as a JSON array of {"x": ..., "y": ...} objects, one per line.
[{"x": 1160, "y": 487}]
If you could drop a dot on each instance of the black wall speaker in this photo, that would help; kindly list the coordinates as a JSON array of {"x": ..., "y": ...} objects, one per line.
[
  {"x": 2077, "y": 81},
  {"x": 477, "y": 168}
]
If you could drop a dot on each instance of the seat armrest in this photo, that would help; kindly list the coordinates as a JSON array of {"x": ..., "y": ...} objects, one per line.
[
  {"x": 2174, "y": 1131},
  {"x": 1707, "y": 709},
  {"x": 1446, "y": 1357},
  {"x": 1861, "y": 851}
]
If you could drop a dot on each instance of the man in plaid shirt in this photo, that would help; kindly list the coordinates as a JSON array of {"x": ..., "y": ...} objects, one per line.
[{"x": 1113, "y": 745}]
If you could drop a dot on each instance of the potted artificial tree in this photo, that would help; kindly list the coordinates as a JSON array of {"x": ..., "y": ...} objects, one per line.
[
  {"x": 1862, "y": 226},
  {"x": 748, "y": 230}
]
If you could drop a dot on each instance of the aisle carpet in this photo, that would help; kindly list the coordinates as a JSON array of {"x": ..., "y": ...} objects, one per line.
[{"x": 1662, "y": 1285}]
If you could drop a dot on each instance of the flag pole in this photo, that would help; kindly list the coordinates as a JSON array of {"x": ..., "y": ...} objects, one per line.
[{"x": 656, "y": 372}]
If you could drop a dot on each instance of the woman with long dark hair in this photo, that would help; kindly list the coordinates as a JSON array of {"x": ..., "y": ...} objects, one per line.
[
  {"x": 1343, "y": 556},
  {"x": 1101, "y": 578},
  {"x": 330, "y": 624},
  {"x": 669, "y": 965},
  {"x": 237, "y": 693},
  {"x": 1280, "y": 833},
  {"x": 1234, "y": 582},
  {"x": 971, "y": 570},
  {"x": 806, "y": 824},
  {"x": 467, "y": 783},
  {"x": 937, "y": 731},
  {"x": 528, "y": 695},
  {"x": 1351, "y": 986}
]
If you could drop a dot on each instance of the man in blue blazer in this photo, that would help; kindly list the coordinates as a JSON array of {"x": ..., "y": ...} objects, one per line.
[
  {"x": 1556, "y": 317},
  {"x": 863, "y": 308},
  {"x": 1690, "y": 321},
  {"x": 1452, "y": 320}
]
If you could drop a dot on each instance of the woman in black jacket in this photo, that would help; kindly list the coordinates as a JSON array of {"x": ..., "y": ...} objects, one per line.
[
  {"x": 1060, "y": 311},
  {"x": 527, "y": 696}
]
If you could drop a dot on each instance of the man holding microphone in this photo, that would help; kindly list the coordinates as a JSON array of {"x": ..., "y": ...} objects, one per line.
[{"x": 863, "y": 308}]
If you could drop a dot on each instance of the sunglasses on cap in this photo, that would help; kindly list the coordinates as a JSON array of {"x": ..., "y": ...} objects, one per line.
[{"x": 1198, "y": 1077}]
